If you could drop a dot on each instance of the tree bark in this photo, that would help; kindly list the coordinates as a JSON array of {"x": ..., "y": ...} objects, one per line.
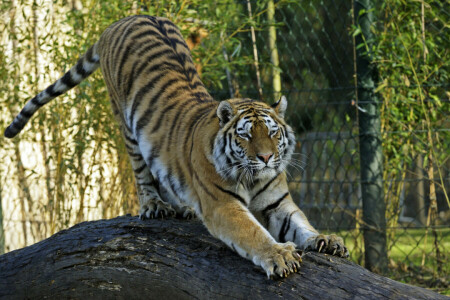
[{"x": 126, "y": 258}]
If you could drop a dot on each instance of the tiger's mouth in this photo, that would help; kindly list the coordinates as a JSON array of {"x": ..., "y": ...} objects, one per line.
[
  {"x": 251, "y": 170},
  {"x": 264, "y": 171}
]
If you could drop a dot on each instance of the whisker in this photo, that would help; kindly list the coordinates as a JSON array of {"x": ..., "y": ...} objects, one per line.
[
  {"x": 228, "y": 170},
  {"x": 297, "y": 153},
  {"x": 288, "y": 173},
  {"x": 297, "y": 169},
  {"x": 299, "y": 164},
  {"x": 298, "y": 160},
  {"x": 250, "y": 175},
  {"x": 239, "y": 181}
]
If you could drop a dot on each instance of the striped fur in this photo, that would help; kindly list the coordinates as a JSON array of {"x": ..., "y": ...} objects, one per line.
[{"x": 223, "y": 162}]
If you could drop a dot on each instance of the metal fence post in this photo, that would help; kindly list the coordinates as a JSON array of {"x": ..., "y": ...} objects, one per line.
[{"x": 374, "y": 207}]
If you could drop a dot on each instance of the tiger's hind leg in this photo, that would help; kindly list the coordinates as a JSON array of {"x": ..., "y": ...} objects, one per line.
[
  {"x": 182, "y": 210},
  {"x": 187, "y": 213},
  {"x": 151, "y": 203}
]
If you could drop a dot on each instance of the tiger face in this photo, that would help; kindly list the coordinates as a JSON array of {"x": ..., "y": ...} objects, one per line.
[{"x": 253, "y": 142}]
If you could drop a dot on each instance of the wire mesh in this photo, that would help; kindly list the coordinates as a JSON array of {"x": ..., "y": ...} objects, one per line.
[{"x": 317, "y": 59}]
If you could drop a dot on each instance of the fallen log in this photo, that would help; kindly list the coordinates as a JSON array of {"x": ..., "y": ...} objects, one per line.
[{"x": 126, "y": 258}]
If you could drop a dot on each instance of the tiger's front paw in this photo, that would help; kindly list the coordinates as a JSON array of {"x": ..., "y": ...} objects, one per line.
[
  {"x": 155, "y": 208},
  {"x": 281, "y": 260},
  {"x": 187, "y": 213},
  {"x": 330, "y": 244}
]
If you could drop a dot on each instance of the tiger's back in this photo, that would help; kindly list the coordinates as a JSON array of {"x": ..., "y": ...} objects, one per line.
[
  {"x": 224, "y": 162},
  {"x": 157, "y": 95},
  {"x": 144, "y": 57}
]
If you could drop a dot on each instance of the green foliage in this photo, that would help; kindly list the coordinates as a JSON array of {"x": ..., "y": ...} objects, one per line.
[
  {"x": 408, "y": 243},
  {"x": 412, "y": 57},
  {"x": 411, "y": 53}
]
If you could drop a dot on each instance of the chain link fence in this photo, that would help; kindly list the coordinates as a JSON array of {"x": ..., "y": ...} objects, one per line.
[{"x": 317, "y": 61}]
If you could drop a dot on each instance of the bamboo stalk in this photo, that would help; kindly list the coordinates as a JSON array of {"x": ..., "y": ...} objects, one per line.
[
  {"x": 276, "y": 78},
  {"x": 34, "y": 227},
  {"x": 24, "y": 190},
  {"x": 227, "y": 70},
  {"x": 432, "y": 210},
  {"x": 255, "y": 52}
]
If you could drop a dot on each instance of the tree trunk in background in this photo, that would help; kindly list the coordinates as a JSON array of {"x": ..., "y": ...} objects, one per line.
[
  {"x": 126, "y": 258},
  {"x": 374, "y": 207},
  {"x": 419, "y": 198}
]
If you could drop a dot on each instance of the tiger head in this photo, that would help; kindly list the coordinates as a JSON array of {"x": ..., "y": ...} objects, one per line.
[{"x": 253, "y": 141}]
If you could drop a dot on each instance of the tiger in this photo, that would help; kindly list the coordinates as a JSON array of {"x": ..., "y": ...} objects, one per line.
[{"x": 192, "y": 156}]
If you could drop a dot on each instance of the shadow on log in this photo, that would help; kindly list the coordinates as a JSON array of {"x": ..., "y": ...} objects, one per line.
[{"x": 126, "y": 258}]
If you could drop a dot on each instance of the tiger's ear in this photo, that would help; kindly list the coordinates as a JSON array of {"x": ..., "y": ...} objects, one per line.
[
  {"x": 225, "y": 112},
  {"x": 280, "y": 106}
]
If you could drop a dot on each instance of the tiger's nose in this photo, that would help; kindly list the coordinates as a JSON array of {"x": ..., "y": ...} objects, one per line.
[{"x": 264, "y": 157}]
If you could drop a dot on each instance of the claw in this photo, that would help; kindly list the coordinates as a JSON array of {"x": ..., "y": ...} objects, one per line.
[
  {"x": 334, "y": 252},
  {"x": 322, "y": 243},
  {"x": 143, "y": 215}
]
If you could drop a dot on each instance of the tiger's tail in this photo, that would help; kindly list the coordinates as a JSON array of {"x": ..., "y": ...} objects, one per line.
[{"x": 84, "y": 67}]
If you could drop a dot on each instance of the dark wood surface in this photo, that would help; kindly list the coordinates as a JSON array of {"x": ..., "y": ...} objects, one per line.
[{"x": 126, "y": 258}]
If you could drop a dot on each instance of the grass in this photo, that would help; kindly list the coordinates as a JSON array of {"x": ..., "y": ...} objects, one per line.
[{"x": 412, "y": 254}]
